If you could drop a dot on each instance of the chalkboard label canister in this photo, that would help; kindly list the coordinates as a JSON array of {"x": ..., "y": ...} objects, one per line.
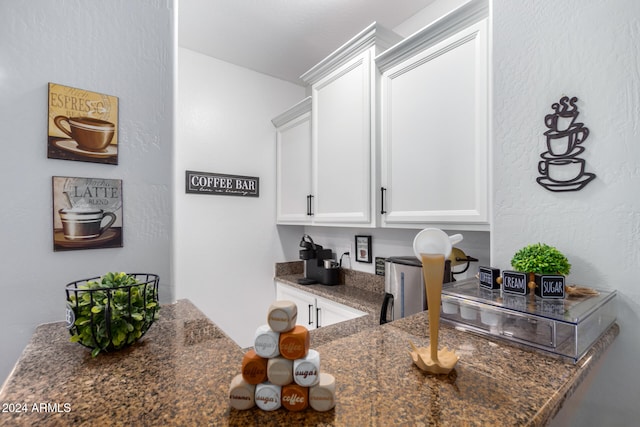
[
  {"x": 550, "y": 286},
  {"x": 489, "y": 277},
  {"x": 515, "y": 282}
]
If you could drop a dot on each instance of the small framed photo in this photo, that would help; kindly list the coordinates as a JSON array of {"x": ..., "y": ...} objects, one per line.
[{"x": 363, "y": 249}]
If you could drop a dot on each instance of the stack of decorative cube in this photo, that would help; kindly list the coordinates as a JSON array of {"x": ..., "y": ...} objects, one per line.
[{"x": 281, "y": 370}]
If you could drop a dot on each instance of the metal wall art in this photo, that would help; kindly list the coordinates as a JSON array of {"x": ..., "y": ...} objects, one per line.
[{"x": 560, "y": 168}]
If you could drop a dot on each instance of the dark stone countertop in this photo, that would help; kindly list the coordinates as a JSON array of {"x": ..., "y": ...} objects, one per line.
[{"x": 179, "y": 374}]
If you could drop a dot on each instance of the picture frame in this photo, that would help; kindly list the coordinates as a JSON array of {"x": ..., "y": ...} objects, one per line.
[
  {"x": 82, "y": 125},
  {"x": 363, "y": 249},
  {"x": 87, "y": 213}
]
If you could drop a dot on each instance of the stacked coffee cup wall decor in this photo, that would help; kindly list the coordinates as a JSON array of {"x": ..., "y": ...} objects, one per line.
[{"x": 561, "y": 168}]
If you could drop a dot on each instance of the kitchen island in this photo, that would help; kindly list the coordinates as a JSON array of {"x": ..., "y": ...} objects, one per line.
[{"x": 179, "y": 374}]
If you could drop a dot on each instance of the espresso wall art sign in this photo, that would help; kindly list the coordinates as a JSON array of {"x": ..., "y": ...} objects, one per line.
[
  {"x": 82, "y": 125},
  {"x": 87, "y": 213},
  {"x": 222, "y": 185},
  {"x": 561, "y": 167}
]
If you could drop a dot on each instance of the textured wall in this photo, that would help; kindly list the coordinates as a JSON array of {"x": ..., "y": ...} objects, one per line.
[
  {"x": 543, "y": 50},
  {"x": 117, "y": 47},
  {"x": 226, "y": 247}
]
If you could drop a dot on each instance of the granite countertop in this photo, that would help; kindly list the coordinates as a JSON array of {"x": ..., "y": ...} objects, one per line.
[{"x": 179, "y": 374}]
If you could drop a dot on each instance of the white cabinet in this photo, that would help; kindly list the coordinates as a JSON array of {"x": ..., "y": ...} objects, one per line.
[
  {"x": 315, "y": 311},
  {"x": 393, "y": 136},
  {"x": 330, "y": 313},
  {"x": 343, "y": 131},
  {"x": 435, "y": 125},
  {"x": 305, "y": 303},
  {"x": 293, "y": 164}
]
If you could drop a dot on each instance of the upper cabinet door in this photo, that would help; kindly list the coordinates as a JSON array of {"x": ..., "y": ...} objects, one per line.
[
  {"x": 293, "y": 164},
  {"x": 341, "y": 135},
  {"x": 434, "y": 134},
  {"x": 343, "y": 92}
]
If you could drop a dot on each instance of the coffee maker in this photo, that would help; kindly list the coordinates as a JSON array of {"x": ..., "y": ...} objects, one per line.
[{"x": 319, "y": 265}]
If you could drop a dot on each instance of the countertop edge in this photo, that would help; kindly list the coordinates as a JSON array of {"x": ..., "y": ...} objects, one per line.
[{"x": 583, "y": 368}]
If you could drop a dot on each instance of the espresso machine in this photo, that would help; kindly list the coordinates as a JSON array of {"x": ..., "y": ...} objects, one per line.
[{"x": 319, "y": 265}]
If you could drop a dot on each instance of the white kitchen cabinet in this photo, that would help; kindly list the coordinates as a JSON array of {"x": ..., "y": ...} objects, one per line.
[
  {"x": 315, "y": 311},
  {"x": 293, "y": 164},
  {"x": 305, "y": 303},
  {"x": 435, "y": 125},
  {"x": 329, "y": 312},
  {"x": 343, "y": 130}
]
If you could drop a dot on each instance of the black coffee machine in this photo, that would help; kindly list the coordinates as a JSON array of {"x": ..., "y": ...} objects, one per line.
[{"x": 319, "y": 266}]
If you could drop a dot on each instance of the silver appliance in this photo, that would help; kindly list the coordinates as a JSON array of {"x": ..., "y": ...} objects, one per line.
[
  {"x": 404, "y": 292},
  {"x": 404, "y": 287}
]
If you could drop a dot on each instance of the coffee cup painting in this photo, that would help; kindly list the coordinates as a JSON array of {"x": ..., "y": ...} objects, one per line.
[
  {"x": 561, "y": 168},
  {"x": 87, "y": 213},
  {"x": 82, "y": 125}
]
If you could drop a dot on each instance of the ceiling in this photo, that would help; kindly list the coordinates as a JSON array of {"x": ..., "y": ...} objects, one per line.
[{"x": 282, "y": 38}]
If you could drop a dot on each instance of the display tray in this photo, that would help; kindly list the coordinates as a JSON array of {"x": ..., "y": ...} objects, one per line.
[{"x": 566, "y": 328}]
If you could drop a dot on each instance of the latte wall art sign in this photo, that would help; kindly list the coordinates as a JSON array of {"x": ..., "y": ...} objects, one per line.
[
  {"x": 87, "y": 213},
  {"x": 561, "y": 168}
]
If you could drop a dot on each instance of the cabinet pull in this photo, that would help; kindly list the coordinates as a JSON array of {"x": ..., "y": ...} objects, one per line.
[
  {"x": 310, "y": 205},
  {"x": 318, "y": 317},
  {"x": 383, "y": 192},
  {"x": 310, "y": 318}
]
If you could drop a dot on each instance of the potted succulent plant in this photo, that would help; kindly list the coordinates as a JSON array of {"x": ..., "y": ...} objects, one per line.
[
  {"x": 112, "y": 311},
  {"x": 540, "y": 259}
]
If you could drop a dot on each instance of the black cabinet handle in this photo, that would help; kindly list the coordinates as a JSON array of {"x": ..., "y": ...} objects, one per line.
[
  {"x": 386, "y": 303},
  {"x": 310, "y": 319},
  {"x": 318, "y": 317},
  {"x": 383, "y": 192},
  {"x": 310, "y": 205}
]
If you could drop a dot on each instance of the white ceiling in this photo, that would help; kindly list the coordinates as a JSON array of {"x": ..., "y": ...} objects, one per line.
[{"x": 282, "y": 38}]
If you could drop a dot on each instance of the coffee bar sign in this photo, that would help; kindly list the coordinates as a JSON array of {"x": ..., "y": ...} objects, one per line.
[{"x": 222, "y": 185}]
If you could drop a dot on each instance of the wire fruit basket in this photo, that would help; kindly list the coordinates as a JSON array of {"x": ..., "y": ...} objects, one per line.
[{"x": 113, "y": 311}]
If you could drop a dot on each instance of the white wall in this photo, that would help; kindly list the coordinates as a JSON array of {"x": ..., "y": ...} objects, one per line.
[
  {"x": 589, "y": 49},
  {"x": 226, "y": 247},
  {"x": 116, "y": 47}
]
